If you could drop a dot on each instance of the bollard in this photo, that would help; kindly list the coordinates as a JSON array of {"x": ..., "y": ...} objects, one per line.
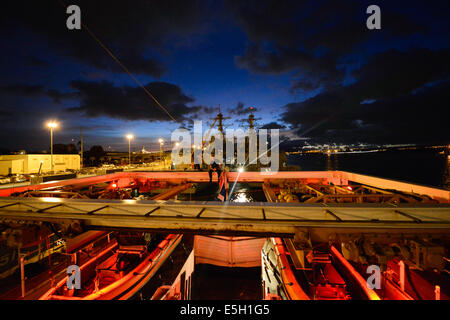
[
  {"x": 22, "y": 275},
  {"x": 437, "y": 293},
  {"x": 402, "y": 275}
]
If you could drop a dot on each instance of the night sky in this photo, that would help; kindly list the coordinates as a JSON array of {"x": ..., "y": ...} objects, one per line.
[{"x": 310, "y": 68}]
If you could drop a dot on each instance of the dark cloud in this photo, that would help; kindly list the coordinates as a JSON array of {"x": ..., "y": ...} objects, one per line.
[
  {"x": 136, "y": 33},
  {"x": 240, "y": 109},
  {"x": 420, "y": 116},
  {"x": 310, "y": 69},
  {"x": 26, "y": 90},
  {"x": 131, "y": 103},
  {"x": 413, "y": 118},
  {"x": 312, "y": 39},
  {"x": 5, "y": 114},
  {"x": 393, "y": 91},
  {"x": 122, "y": 102},
  {"x": 197, "y": 113},
  {"x": 22, "y": 89},
  {"x": 394, "y": 72},
  {"x": 273, "y": 125},
  {"x": 208, "y": 110},
  {"x": 36, "y": 62},
  {"x": 58, "y": 96}
]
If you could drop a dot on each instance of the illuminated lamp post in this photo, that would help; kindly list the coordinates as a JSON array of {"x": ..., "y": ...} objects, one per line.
[
  {"x": 52, "y": 125},
  {"x": 161, "y": 144},
  {"x": 129, "y": 137}
]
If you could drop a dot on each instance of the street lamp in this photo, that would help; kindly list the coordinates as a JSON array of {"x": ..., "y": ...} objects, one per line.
[
  {"x": 52, "y": 125},
  {"x": 161, "y": 143},
  {"x": 129, "y": 136}
]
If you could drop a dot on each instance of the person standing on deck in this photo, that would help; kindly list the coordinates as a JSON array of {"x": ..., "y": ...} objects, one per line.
[
  {"x": 214, "y": 167},
  {"x": 197, "y": 166}
]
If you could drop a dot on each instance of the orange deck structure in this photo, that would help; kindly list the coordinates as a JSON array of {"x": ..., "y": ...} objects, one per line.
[
  {"x": 338, "y": 208},
  {"x": 429, "y": 212}
]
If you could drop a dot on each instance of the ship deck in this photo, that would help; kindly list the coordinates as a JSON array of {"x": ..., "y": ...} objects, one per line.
[{"x": 380, "y": 205}]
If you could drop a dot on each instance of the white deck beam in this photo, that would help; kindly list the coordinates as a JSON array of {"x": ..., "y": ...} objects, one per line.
[{"x": 231, "y": 218}]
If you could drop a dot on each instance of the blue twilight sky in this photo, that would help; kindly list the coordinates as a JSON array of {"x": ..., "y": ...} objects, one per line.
[{"x": 311, "y": 68}]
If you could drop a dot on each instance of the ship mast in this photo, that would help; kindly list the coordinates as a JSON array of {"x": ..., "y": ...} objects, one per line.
[
  {"x": 251, "y": 118},
  {"x": 220, "y": 121}
]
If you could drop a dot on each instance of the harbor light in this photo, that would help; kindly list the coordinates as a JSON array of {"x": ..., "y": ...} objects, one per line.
[
  {"x": 129, "y": 137},
  {"x": 161, "y": 143},
  {"x": 52, "y": 125}
]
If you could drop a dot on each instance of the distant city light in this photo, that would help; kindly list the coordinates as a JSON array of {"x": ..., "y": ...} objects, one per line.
[{"x": 130, "y": 136}]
